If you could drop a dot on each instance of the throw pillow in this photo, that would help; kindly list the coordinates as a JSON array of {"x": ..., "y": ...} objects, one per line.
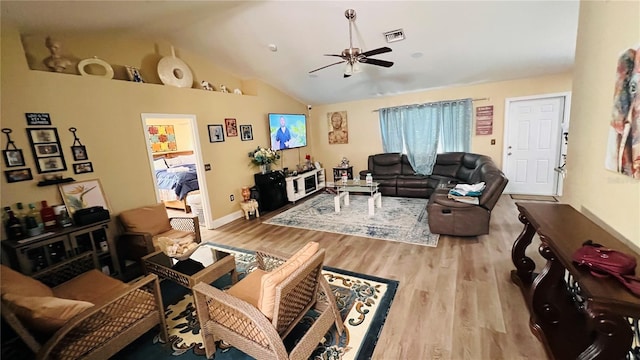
[
  {"x": 45, "y": 313},
  {"x": 16, "y": 283}
]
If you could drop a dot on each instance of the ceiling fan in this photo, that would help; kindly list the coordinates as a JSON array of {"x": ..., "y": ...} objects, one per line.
[{"x": 353, "y": 57}]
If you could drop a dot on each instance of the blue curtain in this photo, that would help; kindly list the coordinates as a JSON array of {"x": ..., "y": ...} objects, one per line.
[
  {"x": 421, "y": 129},
  {"x": 391, "y": 129},
  {"x": 456, "y": 126}
]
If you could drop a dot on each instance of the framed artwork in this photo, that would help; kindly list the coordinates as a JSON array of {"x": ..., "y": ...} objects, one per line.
[
  {"x": 216, "y": 133},
  {"x": 18, "y": 175},
  {"x": 79, "y": 153},
  {"x": 232, "y": 128},
  {"x": 83, "y": 194},
  {"x": 46, "y": 149},
  {"x": 13, "y": 158},
  {"x": 162, "y": 138},
  {"x": 339, "y": 133},
  {"x": 81, "y": 168},
  {"x": 246, "y": 132}
]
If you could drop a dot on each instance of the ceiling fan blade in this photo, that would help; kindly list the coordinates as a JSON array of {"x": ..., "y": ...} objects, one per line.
[
  {"x": 381, "y": 50},
  {"x": 345, "y": 76},
  {"x": 377, "y": 62},
  {"x": 326, "y": 66},
  {"x": 333, "y": 55}
]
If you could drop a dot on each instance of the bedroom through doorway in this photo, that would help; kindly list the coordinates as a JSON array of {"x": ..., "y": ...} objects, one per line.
[{"x": 177, "y": 169}]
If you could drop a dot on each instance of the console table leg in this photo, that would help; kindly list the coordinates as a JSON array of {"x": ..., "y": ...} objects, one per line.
[
  {"x": 613, "y": 337},
  {"x": 523, "y": 275}
]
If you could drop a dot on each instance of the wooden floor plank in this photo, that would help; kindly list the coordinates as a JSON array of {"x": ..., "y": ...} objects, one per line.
[{"x": 455, "y": 301}]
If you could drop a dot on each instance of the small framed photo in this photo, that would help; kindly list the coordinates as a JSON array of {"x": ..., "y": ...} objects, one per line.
[
  {"x": 79, "y": 153},
  {"x": 81, "y": 168},
  {"x": 13, "y": 158},
  {"x": 18, "y": 175},
  {"x": 43, "y": 135},
  {"x": 246, "y": 132},
  {"x": 216, "y": 133},
  {"x": 51, "y": 164},
  {"x": 43, "y": 150},
  {"x": 232, "y": 128}
]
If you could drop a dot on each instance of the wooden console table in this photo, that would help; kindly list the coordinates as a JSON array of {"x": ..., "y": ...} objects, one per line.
[{"x": 574, "y": 314}]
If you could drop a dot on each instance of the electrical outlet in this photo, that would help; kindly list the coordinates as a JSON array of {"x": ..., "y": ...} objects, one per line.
[{"x": 231, "y": 197}]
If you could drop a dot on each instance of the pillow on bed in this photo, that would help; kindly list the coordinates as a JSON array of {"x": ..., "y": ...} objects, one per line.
[
  {"x": 160, "y": 164},
  {"x": 176, "y": 161},
  {"x": 188, "y": 159}
]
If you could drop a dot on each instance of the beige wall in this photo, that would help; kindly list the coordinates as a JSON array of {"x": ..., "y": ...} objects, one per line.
[
  {"x": 107, "y": 114},
  {"x": 364, "y": 130},
  {"x": 605, "y": 30}
]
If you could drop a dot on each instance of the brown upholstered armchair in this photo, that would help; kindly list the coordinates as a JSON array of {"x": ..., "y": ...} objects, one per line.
[
  {"x": 255, "y": 314},
  {"x": 143, "y": 227},
  {"x": 73, "y": 311}
]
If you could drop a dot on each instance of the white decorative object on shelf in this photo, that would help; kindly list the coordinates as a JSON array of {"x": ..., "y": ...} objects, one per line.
[
  {"x": 206, "y": 85},
  {"x": 223, "y": 89},
  {"x": 174, "y": 72},
  {"x": 134, "y": 74},
  {"x": 108, "y": 70},
  {"x": 237, "y": 92}
]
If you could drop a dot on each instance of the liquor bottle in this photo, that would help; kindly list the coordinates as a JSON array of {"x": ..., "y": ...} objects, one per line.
[
  {"x": 21, "y": 214},
  {"x": 5, "y": 215},
  {"x": 13, "y": 227},
  {"x": 33, "y": 221},
  {"x": 48, "y": 216}
]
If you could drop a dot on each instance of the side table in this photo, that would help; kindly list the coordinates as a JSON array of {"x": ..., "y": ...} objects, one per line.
[{"x": 250, "y": 206}]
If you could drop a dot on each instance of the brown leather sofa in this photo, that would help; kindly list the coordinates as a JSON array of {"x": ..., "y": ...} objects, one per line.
[{"x": 397, "y": 178}]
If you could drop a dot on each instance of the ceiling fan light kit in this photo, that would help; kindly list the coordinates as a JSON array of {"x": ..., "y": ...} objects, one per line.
[{"x": 353, "y": 57}]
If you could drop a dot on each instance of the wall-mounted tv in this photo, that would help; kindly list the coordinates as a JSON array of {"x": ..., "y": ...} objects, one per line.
[{"x": 287, "y": 131}]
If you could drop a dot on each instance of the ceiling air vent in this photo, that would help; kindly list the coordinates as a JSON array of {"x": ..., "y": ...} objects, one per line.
[{"x": 394, "y": 35}]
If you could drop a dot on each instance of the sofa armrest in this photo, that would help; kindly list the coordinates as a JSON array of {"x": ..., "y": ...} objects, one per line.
[
  {"x": 105, "y": 329},
  {"x": 443, "y": 200}
]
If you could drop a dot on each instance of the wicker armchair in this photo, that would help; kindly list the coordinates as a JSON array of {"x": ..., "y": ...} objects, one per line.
[
  {"x": 144, "y": 225},
  {"x": 73, "y": 311},
  {"x": 244, "y": 318}
]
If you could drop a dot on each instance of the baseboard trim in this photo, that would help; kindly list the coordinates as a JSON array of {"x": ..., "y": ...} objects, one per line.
[{"x": 227, "y": 219}]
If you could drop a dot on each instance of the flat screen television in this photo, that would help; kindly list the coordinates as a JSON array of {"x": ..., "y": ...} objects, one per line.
[{"x": 287, "y": 131}]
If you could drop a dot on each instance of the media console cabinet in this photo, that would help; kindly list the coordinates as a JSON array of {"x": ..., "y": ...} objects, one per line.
[
  {"x": 305, "y": 184},
  {"x": 573, "y": 313}
]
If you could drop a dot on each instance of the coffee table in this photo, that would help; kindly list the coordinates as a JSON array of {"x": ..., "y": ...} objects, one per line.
[
  {"x": 215, "y": 264},
  {"x": 349, "y": 186}
]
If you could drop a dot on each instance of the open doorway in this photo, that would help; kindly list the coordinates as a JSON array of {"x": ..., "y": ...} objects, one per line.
[{"x": 177, "y": 169}]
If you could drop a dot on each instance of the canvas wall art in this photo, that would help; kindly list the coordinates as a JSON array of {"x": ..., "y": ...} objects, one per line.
[
  {"x": 162, "y": 138},
  {"x": 338, "y": 130},
  {"x": 623, "y": 148}
]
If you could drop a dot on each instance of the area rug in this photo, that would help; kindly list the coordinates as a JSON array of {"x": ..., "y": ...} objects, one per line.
[
  {"x": 363, "y": 300},
  {"x": 399, "y": 219},
  {"x": 535, "y": 197}
]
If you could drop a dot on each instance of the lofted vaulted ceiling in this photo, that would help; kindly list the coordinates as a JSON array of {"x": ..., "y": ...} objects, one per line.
[{"x": 446, "y": 43}]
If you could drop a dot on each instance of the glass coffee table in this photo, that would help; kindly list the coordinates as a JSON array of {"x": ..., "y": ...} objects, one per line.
[
  {"x": 352, "y": 186},
  {"x": 206, "y": 264}
]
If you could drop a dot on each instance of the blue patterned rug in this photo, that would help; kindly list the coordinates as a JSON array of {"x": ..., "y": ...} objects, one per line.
[
  {"x": 399, "y": 219},
  {"x": 363, "y": 300}
]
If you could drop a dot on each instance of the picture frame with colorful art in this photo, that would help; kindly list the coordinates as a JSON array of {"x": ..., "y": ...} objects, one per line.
[
  {"x": 162, "y": 138},
  {"x": 83, "y": 194},
  {"x": 232, "y": 127}
]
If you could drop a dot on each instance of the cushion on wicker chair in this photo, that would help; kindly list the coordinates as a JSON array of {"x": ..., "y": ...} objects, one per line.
[
  {"x": 16, "y": 283},
  {"x": 46, "y": 314},
  {"x": 246, "y": 289},
  {"x": 151, "y": 219},
  {"x": 269, "y": 281},
  {"x": 83, "y": 287},
  {"x": 180, "y": 235}
]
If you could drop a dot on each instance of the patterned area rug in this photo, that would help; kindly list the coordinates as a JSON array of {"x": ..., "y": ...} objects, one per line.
[
  {"x": 399, "y": 219},
  {"x": 363, "y": 300}
]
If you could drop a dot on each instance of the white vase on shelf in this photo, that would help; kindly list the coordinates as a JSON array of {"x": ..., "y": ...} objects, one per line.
[{"x": 265, "y": 168}]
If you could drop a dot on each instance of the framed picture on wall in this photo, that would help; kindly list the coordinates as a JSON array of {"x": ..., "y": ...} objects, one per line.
[
  {"x": 46, "y": 149},
  {"x": 246, "y": 132},
  {"x": 13, "y": 158},
  {"x": 81, "y": 168},
  {"x": 18, "y": 175},
  {"x": 232, "y": 128},
  {"x": 216, "y": 133},
  {"x": 79, "y": 153}
]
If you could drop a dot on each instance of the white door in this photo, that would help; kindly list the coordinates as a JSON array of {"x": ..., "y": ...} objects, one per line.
[{"x": 532, "y": 144}]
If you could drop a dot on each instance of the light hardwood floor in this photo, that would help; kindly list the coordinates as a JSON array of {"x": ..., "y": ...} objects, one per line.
[{"x": 454, "y": 301}]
